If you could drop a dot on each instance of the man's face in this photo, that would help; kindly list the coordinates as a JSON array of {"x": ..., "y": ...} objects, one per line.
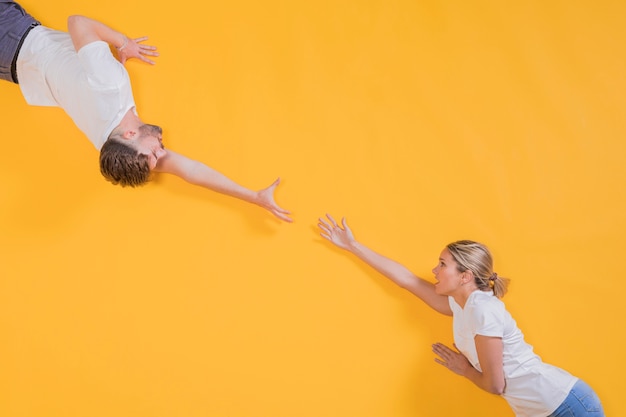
[{"x": 150, "y": 142}]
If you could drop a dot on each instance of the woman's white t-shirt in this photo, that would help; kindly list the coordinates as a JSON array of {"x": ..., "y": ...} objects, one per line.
[{"x": 533, "y": 388}]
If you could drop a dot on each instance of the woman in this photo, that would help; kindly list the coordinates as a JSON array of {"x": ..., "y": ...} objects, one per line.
[{"x": 491, "y": 351}]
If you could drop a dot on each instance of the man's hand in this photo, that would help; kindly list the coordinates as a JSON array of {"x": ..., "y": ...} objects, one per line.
[
  {"x": 132, "y": 48},
  {"x": 84, "y": 30},
  {"x": 266, "y": 200}
]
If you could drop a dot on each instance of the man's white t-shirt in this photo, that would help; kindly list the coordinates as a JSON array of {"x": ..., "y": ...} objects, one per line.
[
  {"x": 533, "y": 388},
  {"x": 91, "y": 86}
]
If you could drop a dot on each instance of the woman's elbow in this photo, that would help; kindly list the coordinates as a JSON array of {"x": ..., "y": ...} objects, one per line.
[{"x": 497, "y": 388}]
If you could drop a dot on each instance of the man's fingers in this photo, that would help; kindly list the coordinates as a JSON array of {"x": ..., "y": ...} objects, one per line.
[
  {"x": 146, "y": 60},
  {"x": 283, "y": 217},
  {"x": 149, "y": 52}
]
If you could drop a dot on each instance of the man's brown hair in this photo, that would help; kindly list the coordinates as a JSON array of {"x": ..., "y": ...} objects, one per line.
[{"x": 122, "y": 164}]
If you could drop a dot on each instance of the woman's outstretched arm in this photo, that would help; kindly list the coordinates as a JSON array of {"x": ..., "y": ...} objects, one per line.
[{"x": 342, "y": 237}]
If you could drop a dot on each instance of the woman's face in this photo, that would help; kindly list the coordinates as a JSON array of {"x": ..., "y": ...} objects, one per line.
[{"x": 447, "y": 275}]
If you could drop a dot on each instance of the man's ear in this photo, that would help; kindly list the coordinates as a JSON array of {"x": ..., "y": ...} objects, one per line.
[{"x": 129, "y": 134}]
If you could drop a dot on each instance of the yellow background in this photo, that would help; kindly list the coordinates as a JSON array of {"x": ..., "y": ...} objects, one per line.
[{"x": 422, "y": 122}]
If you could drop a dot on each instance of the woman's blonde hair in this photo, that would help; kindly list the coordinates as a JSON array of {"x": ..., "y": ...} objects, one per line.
[{"x": 475, "y": 257}]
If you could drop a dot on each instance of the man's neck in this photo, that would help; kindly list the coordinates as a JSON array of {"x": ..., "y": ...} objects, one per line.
[{"x": 130, "y": 122}]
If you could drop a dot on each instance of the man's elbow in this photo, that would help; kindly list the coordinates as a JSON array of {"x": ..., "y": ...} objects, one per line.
[{"x": 74, "y": 20}]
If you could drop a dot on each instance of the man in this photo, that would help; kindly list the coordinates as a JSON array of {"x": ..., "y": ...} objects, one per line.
[{"x": 76, "y": 71}]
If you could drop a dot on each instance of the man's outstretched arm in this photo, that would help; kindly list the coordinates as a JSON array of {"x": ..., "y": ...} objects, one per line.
[
  {"x": 197, "y": 173},
  {"x": 84, "y": 30}
]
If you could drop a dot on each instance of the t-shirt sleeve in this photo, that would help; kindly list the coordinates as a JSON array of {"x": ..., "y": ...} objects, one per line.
[
  {"x": 488, "y": 320},
  {"x": 102, "y": 69}
]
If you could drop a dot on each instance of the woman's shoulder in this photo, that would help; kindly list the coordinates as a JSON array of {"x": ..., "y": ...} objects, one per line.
[
  {"x": 480, "y": 300},
  {"x": 482, "y": 296}
]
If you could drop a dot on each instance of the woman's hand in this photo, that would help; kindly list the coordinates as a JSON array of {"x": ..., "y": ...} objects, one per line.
[
  {"x": 451, "y": 359},
  {"x": 340, "y": 237}
]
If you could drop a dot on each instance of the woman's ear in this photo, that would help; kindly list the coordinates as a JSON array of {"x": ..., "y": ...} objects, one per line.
[{"x": 468, "y": 276}]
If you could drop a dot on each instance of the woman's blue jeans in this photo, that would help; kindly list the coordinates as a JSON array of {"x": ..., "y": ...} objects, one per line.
[{"x": 582, "y": 401}]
